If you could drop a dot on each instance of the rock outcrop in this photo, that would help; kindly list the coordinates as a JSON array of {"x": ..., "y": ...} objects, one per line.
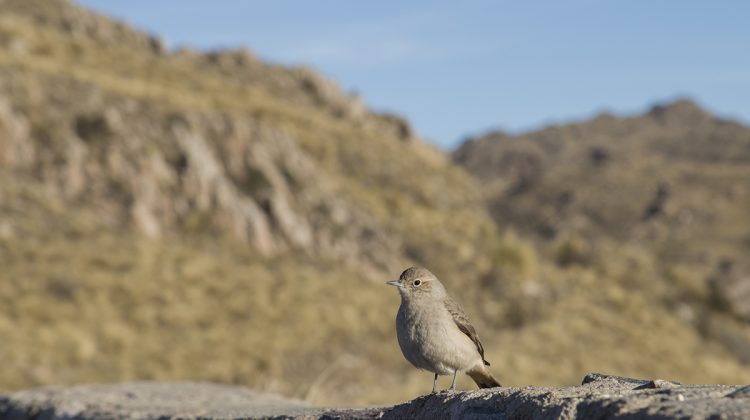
[
  {"x": 599, "y": 396},
  {"x": 166, "y": 165}
]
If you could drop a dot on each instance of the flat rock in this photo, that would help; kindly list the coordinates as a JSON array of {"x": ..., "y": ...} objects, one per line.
[
  {"x": 599, "y": 396},
  {"x": 152, "y": 400}
]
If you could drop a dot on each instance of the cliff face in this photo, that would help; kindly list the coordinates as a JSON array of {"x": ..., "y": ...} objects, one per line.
[{"x": 169, "y": 171}]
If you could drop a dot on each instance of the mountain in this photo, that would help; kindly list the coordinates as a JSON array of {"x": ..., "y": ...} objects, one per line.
[
  {"x": 208, "y": 200},
  {"x": 670, "y": 185},
  {"x": 675, "y": 174},
  {"x": 182, "y": 214},
  {"x": 200, "y": 141}
]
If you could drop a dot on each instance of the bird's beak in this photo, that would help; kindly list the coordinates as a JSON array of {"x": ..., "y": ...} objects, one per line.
[{"x": 394, "y": 283}]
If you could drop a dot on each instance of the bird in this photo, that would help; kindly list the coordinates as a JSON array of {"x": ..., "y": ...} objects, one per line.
[{"x": 435, "y": 334}]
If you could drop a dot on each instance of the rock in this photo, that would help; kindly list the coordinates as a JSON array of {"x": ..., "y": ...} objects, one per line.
[
  {"x": 658, "y": 383},
  {"x": 194, "y": 172},
  {"x": 157, "y": 400},
  {"x": 730, "y": 289},
  {"x": 743, "y": 392},
  {"x": 658, "y": 202},
  {"x": 600, "y": 396},
  {"x": 15, "y": 150},
  {"x": 599, "y": 156}
]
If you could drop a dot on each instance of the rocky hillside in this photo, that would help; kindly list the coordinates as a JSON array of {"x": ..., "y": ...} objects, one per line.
[
  {"x": 172, "y": 215},
  {"x": 215, "y": 143},
  {"x": 671, "y": 184},
  {"x": 149, "y": 196},
  {"x": 675, "y": 174}
]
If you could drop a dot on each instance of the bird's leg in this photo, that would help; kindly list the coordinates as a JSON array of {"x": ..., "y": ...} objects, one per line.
[
  {"x": 434, "y": 384},
  {"x": 453, "y": 384}
]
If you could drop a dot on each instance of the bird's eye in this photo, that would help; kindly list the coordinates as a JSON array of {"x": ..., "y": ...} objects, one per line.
[{"x": 417, "y": 282}]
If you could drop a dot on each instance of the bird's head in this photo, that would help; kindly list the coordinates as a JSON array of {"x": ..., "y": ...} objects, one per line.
[{"x": 418, "y": 282}]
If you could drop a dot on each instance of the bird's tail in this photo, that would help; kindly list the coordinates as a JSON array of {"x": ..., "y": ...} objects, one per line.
[{"x": 482, "y": 376}]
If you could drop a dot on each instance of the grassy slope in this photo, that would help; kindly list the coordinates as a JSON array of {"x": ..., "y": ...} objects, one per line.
[{"x": 124, "y": 297}]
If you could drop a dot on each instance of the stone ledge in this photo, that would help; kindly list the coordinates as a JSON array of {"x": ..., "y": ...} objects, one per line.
[{"x": 599, "y": 396}]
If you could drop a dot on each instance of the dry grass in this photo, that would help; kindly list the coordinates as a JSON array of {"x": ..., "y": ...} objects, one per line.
[
  {"x": 104, "y": 307},
  {"x": 81, "y": 306}
]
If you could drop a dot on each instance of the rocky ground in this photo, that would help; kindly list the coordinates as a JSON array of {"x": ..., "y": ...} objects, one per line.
[{"x": 599, "y": 396}]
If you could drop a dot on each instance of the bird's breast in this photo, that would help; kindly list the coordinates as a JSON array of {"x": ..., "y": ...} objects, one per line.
[{"x": 430, "y": 340}]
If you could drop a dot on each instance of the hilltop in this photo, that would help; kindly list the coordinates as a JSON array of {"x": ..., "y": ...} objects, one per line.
[{"x": 173, "y": 215}]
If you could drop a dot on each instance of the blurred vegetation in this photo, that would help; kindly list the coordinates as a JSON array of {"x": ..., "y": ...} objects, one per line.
[{"x": 561, "y": 273}]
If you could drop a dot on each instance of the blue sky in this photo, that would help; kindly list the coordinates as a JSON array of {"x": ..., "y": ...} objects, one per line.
[{"x": 455, "y": 69}]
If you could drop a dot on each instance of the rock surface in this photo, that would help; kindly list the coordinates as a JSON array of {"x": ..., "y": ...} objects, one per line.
[
  {"x": 599, "y": 396},
  {"x": 156, "y": 400}
]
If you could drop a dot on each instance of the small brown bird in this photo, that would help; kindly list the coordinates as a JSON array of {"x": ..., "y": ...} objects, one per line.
[{"x": 434, "y": 333}]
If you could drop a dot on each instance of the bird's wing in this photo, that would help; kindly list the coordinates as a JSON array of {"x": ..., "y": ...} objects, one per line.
[{"x": 463, "y": 324}]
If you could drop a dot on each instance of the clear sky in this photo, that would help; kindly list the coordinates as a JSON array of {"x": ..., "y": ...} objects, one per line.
[{"x": 457, "y": 68}]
